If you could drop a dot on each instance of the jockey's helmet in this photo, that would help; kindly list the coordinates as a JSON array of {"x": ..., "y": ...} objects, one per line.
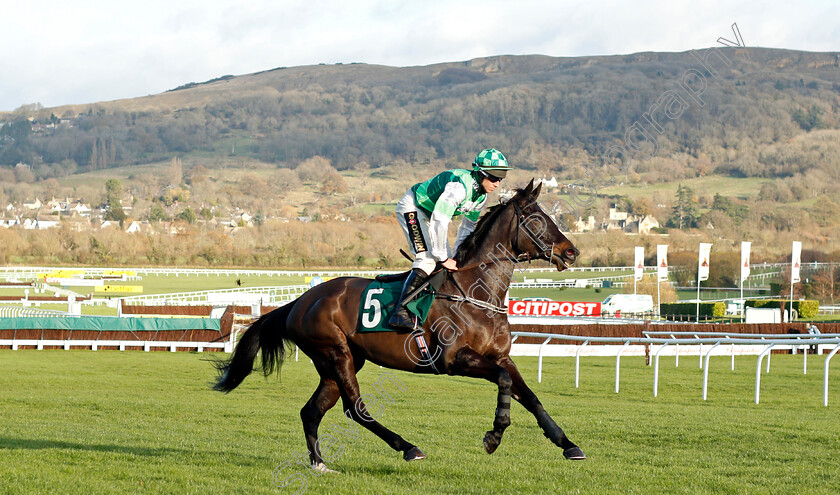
[{"x": 492, "y": 162}]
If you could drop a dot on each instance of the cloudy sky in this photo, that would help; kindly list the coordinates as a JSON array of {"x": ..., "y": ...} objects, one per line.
[{"x": 58, "y": 52}]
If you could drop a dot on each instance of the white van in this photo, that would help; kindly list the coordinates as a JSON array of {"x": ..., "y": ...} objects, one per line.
[{"x": 627, "y": 303}]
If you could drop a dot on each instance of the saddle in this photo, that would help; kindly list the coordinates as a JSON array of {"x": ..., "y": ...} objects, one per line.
[{"x": 435, "y": 280}]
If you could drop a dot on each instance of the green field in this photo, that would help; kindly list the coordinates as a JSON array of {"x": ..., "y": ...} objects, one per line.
[
  {"x": 725, "y": 186},
  {"x": 131, "y": 422}
]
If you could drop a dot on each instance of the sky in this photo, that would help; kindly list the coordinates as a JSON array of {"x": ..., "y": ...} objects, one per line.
[{"x": 58, "y": 52}]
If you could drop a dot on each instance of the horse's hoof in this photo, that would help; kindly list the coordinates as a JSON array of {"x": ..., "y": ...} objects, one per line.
[
  {"x": 322, "y": 468},
  {"x": 413, "y": 454},
  {"x": 491, "y": 443},
  {"x": 574, "y": 453}
]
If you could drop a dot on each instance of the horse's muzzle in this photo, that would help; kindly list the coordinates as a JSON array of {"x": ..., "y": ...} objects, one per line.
[{"x": 565, "y": 258}]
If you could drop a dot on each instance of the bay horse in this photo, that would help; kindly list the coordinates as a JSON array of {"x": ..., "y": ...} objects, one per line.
[{"x": 466, "y": 328}]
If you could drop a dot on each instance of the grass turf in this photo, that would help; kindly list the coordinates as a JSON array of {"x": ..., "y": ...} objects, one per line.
[{"x": 118, "y": 422}]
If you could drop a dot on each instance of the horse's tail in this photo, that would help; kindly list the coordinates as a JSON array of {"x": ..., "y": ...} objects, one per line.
[{"x": 265, "y": 335}]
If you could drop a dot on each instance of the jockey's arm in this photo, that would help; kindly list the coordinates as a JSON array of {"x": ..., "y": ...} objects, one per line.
[
  {"x": 466, "y": 228},
  {"x": 453, "y": 194}
]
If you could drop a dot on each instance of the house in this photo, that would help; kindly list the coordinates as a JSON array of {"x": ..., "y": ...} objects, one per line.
[
  {"x": 137, "y": 226},
  {"x": 647, "y": 224},
  {"x": 34, "y": 205},
  {"x": 132, "y": 227},
  {"x": 640, "y": 225},
  {"x": 80, "y": 209},
  {"x": 621, "y": 220},
  {"x": 616, "y": 215},
  {"x": 44, "y": 223},
  {"x": 587, "y": 226},
  {"x": 549, "y": 183},
  {"x": 77, "y": 224},
  {"x": 57, "y": 207}
]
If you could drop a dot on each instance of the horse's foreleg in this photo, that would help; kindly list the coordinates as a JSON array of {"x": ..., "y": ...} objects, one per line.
[
  {"x": 528, "y": 399},
  {"x": 355, "y": 407},
  {"x": 467, "y": 362},
  {"x": 324, "y": 398}
]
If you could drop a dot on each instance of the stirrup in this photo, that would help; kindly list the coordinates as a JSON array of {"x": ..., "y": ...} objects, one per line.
[{"x": 402, "y": 319}]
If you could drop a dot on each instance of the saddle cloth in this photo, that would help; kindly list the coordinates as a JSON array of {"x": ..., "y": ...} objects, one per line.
[{"x": 380, "y": 299}]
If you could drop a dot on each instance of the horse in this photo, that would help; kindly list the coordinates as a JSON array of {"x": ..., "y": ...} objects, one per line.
[{"x": 467, "y": 330}]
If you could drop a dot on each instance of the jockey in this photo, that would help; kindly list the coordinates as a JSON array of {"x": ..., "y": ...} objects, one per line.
[{"x": 426, "y": 209}]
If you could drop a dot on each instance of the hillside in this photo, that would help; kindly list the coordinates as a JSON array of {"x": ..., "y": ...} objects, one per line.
[
  {"x": 754, "y": 136},
  {"x": 545, "y": 112}
]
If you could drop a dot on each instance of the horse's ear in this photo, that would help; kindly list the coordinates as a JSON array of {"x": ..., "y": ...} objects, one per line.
[
  {"x": 529, "y": 187},
  {"x": 536, "y": 192}
]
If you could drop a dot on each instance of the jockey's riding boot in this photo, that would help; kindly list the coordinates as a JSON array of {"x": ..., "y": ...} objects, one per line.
[{"x": 401, "y": 318}]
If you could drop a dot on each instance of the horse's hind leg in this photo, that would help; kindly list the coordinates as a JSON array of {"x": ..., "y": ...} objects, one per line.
[
  {"x": 467, "y": 362},
  {"x": 324, "y": 398},
  {"x": 355, "y": 407},
  {"x": 529, "y": 400}
]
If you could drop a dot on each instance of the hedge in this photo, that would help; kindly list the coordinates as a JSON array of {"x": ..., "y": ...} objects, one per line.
[
  {"x": 804, "y": 309},
  {"x": 690, "y": 309}
]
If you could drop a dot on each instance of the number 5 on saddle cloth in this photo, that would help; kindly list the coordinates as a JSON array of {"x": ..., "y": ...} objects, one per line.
[{"x": 380, "y": 299}]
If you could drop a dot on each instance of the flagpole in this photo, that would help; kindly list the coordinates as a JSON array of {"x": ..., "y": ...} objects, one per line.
[
  {"x": 697, "y": 320},
  {"x": 790, "y": 308},
  {"x": 658, "y": 301}
]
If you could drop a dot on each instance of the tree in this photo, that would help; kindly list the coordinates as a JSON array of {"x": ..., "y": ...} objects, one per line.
[
  {"x": 187, "y": 215},
  {"x": 176, "y": 172},
  {"x": 825, "y": 284},
  {"x": 737, "y": 212},
  {"x": 113, "y": 193},
  {"x": 648, "y": 285},
  {"x": 157, "y": 213},
  {"x": 643, "y": 207},
  {"x": 333, "y": 183},
  {"x": 684, "y": 215},
  {"x": 198, "y": 174}
]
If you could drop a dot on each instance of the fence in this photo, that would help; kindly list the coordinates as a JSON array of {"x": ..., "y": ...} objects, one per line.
[
  {"x": 251, "y": 295},
  {"x": 95, "y": 332},
  {"x": 18, "y": 311},
  {"x": 780, "y": 340}
]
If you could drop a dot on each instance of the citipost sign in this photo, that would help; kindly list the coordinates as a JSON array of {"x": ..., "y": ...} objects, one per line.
[{"x": 554, "y": 308}]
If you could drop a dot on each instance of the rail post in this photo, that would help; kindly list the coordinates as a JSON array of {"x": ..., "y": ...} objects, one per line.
[
  {"x": 577, "y": 363},
  {"x": 825, "y": 373},
  {"x": 765, "y": 352},
  {"x": 656, "y": 370},
  {"x": 539, "y": 365},
  {"x": 706, "y": 370},
  {"x": 732, "y": 356},
  {"x": 618, "y": 363}
]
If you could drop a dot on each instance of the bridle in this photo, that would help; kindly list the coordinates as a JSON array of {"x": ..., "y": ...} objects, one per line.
[{"x": 546, "y": 252}]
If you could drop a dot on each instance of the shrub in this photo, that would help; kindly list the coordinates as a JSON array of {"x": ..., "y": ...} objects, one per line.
[
  {"x": 804, "y": 309},
  {"x": 713, "y": 309}
]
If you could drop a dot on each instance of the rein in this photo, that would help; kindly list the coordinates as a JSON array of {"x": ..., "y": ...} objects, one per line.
[{"x": 547, "y": 253}]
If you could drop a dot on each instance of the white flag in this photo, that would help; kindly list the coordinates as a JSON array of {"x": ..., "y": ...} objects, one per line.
[
  {"x": 640, "y": 262},
  {"x": 745, "y": 260},
  {"x": 662, "y": 262},
  {"x": 703, "y": 261},
  {"x": 795, "y": 261}
]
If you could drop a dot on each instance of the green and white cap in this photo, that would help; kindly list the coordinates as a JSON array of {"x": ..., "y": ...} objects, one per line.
[{"x": 492, "y": 161}]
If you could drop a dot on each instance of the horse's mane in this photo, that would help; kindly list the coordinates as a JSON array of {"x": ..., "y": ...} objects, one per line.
[{"x": 485, "y": 223}]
